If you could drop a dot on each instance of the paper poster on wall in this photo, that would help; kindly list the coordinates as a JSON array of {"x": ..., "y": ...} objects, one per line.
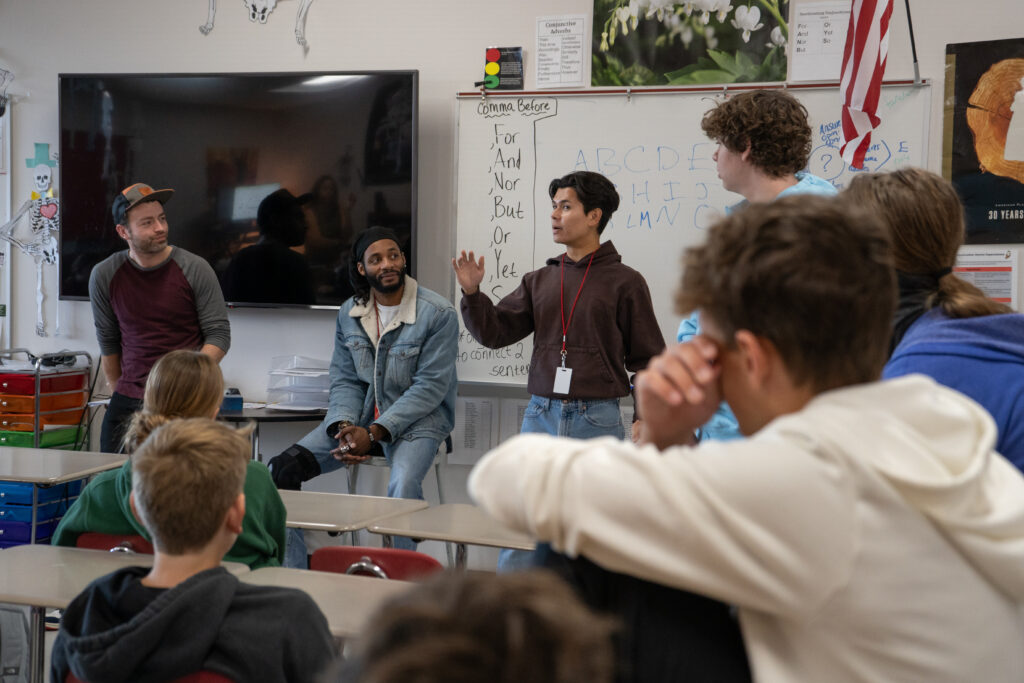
[
  {"x": 259, "y": 11},
  {"x": 984, "y": 134},
  {"x": 41, "y": 211},
  {"x": 818, "y": 32},
  {"x": 990, "y": 269},
  {"x": 476, "y": 422},
  {"x": 688, "y": 43},
  {"x": 561, "y": 43},
  {"x": 512, "y": 411}
]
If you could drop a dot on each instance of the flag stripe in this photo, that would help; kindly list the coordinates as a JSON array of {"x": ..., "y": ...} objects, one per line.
[{"x": 864, "y": 57}]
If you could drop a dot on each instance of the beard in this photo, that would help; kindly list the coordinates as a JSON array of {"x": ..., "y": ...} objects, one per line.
[{"x": 379, "y": 286}]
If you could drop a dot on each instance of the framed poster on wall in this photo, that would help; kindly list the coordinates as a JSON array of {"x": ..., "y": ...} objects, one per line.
[{"x": 983, "y": 150}]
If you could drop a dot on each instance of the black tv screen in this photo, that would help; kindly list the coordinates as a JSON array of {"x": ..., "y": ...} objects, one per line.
[{"x": 225, "y": 141}]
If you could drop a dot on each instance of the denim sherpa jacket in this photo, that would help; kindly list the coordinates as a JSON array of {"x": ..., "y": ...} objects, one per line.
[{"x": 410, "y": 371}]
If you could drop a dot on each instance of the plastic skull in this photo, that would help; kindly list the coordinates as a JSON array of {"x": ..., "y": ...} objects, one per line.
[
  {"x": 41, "y": 177},
  {"x": 259, "y": 10}
]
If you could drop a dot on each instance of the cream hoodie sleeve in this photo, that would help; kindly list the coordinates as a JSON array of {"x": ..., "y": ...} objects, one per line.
[{"x": 762, "y": 523}]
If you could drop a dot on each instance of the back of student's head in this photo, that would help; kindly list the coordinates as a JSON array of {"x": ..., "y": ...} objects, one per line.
[
  {"x": 810, "y": 274},
  {"x": 594, "y": 192},
  {"x": 772, "y": 122},
  {"x": 464, "y": 628},
  {"x": 185, "y": 476},
  {"x": 181, "y": 384},
  {"x": 926, "y": 221}
]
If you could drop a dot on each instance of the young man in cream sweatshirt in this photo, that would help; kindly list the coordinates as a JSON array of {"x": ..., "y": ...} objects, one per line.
[{"x": 866, "y": 531}]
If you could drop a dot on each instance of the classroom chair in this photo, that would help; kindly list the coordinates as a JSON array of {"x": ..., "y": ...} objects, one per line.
[
  {"x": 440, "y": 464},
  {"x": 115, "y": 543},
  {"x": 384, "y": 563}
]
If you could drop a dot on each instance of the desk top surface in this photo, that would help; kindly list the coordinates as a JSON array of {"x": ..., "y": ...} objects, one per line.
[
  {"x": 51, "y": 576},
  {"x": 455, "y": 523},
  {"x": 51, "y": 466},
  {"x": 341, "y": 511},
  {"x": 346, "y": 601}
]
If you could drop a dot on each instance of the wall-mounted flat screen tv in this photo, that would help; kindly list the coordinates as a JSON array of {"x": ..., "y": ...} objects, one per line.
[{"x": 345, "y": 142}]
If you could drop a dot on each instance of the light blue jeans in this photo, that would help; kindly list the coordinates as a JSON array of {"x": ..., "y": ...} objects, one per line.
[
  {"x": 573, "y": 419},
  {"x": 409, "y": 460}
]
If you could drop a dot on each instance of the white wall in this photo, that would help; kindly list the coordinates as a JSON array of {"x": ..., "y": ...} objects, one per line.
[{"x": 444, "y": 39}]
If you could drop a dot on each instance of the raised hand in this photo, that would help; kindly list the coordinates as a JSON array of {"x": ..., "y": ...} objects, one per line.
[{"x": 469, "y": 272}]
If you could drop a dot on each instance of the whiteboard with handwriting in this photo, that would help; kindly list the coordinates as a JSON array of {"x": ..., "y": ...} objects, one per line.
[{"x": 651, "y": 146}]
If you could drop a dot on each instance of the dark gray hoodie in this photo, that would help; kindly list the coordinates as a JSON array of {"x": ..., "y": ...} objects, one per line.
[{"x": 117, "y": 629}]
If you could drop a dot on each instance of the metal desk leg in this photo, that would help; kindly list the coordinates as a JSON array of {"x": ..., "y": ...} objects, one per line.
[
  {"x": 460, "y": 556},
  {"x": 37, "y": 633},
  {"x": 256, "y": 441},
  {"x": 35, "y": 513}
]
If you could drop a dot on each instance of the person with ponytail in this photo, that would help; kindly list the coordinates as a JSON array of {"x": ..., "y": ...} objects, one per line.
[
  {"x": 945, "y": 327},
  {"x": 182, "y": 384}
]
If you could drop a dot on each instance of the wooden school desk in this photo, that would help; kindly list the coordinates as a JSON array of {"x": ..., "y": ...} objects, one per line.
[
  {"x": 341, "y": 511},
  {"x": 43, "y": 467},
  {"x": 455, "y": 523},
  {"x": 346, "y": 601},
  {"x": 42, "y": 576}
]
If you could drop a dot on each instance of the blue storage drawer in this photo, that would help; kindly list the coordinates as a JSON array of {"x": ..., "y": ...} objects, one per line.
[
  {"x": 12, "y": 533},
  {"x": 23, "y": 513},
  {"x": 20, "y": 493}
]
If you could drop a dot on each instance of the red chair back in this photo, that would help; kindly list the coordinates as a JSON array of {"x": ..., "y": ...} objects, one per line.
[
  {"x": 200, "y": 677},
  {"x": 385, "y": 563},
  {"x": 114, "y": 542}
]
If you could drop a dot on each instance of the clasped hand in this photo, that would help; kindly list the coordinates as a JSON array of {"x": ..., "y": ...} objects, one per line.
[
  {"x": 354, "y": 445},
  {"x": 678, "y": 392}
]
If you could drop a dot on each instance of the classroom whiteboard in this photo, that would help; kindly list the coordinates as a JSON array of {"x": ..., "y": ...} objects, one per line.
[{"x": 651, "y": 146}]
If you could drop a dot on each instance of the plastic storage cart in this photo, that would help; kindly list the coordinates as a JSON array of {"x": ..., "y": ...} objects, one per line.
[{"x": 44, "y": 399}]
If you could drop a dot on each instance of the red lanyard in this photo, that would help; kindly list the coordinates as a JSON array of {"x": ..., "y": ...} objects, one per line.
[{"x": 561, "y": 298}]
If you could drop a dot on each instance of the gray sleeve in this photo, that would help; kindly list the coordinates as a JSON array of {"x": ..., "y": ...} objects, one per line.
[
  {"x": 108, "y": 332},
  {"x": 210, "y": 306}
]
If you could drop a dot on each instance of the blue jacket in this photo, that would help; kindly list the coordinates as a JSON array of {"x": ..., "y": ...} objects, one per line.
[
  {"x": 981, "y": 357},
  {"x": 410, "y": 373}
]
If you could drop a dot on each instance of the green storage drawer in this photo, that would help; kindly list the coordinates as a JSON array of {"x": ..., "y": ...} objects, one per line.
[{"x": 50, "y": 438}]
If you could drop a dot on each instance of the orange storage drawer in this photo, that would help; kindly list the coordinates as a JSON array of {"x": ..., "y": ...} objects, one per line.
[
  {"x": 17, "y": 422},
  {"x": 15, "y": 403},
  {"x": 18, "y": 383}
]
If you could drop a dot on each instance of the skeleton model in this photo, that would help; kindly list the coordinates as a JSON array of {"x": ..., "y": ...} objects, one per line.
[
  {"x": 42, "y": 210},
  {"x": 259, "y": 10}
]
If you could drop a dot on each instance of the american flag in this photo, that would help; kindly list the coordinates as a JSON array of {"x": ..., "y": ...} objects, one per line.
[{"x": 867, "y": 46}]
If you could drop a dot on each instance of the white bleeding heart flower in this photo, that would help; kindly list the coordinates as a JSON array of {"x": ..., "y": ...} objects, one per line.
[
  {"x": 747, "y": 20},
  {"x": 721, "y": 9},
  {"x": 778, "y": 40}
]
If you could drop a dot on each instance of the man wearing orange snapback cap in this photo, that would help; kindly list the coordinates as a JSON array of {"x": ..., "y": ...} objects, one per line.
[{"x": 147, "y": 300}]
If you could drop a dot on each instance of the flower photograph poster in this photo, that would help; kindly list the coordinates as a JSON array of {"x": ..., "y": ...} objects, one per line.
[{"x": 700, "y": 42}]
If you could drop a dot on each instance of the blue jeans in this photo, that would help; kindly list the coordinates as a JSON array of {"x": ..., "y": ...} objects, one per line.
[
  {"x": 573, "y": 419},
  {"x": 409, "y": 460}
]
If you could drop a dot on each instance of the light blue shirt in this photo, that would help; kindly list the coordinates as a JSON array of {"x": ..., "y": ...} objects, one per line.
[{"x": 723, "y": 426}]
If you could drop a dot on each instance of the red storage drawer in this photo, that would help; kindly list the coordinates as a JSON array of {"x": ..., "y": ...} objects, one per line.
[{"x": 19, "y": 383}]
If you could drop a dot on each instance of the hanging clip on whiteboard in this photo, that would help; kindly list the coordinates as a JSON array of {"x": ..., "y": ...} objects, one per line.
[{"x": 629, "y": 94}]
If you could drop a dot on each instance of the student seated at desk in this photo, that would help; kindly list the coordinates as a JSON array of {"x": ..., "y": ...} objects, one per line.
[
  {"x": 866, "y": 531},
  {"x": 945, "y": 327},
  {"x": 187, "y": 613},
  {"x": 521, "y": 627},
  {"x": 181, "y": 384}
]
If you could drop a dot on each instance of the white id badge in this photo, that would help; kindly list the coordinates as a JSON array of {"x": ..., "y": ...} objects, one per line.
[{"x": 562, "y": 379}]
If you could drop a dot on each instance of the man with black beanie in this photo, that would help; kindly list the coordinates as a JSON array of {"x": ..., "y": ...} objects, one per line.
[{"x": 392, "y": 380}]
